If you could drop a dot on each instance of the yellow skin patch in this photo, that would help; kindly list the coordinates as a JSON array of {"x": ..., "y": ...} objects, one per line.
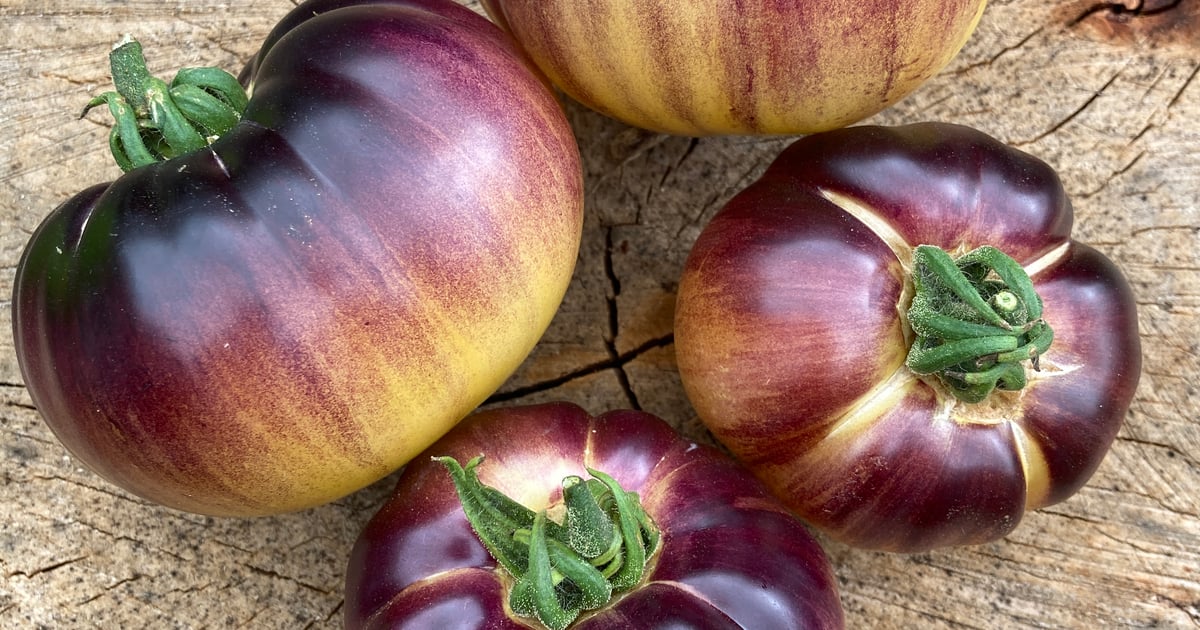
[{"x": 714, "y": 68}]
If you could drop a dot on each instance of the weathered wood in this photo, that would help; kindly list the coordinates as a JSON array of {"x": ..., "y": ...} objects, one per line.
[{"x": 1108, "y": 95}]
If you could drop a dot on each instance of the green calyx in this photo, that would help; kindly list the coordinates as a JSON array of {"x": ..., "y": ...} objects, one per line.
[
  {"x": 156, "y": 121},
  {"x": 977, "y": 320},
  {"x": 601, "y": 547}
]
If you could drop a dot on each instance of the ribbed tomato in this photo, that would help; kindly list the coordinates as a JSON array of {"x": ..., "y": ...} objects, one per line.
[
  {"x": 895, "y": 330},
  {"x": 699, "y": 543},
  {"x": 278, "y": 317}
]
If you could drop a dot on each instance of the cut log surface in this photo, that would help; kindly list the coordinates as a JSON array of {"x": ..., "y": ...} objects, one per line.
[{"x": 1106, "y": 92}]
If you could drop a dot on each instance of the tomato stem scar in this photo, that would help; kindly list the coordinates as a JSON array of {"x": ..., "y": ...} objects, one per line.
[{"x": 977, "y": 318}]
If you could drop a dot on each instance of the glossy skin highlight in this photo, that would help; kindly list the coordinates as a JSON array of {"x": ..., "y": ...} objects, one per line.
[
  {"x": 790, "y": 338},
  {"x": 731, "y": 556},
  {"x": 751, "y": 67},
  {"x": 280, "y": 319}
]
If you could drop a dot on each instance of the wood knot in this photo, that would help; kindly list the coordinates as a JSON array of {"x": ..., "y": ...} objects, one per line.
[{"x": 1155, "y": 24}]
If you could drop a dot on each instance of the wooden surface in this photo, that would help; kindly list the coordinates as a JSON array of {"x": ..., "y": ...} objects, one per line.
[{"x": 1107, "y": 95}]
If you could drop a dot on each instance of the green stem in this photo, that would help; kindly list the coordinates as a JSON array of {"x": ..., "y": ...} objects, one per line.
[
  {"x": 156, "y": 121},
  {"x": 628, "y": 515},
  {"x": 534, "y": 592},
  {"x": 602, "y": 546},
  {"x": 589, "y": 529},
  {"x": 935, "y": 267},
  {"x": 977, "y": 319},
  {"x": 928, "y": 356},
  {"x": 1012, "y": 276},
  {"x": 502, "y": 518}
]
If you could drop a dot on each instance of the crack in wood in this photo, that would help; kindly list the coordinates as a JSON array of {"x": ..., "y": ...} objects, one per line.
[
  {"x": 1187, "y": 83},
  {"x": 16, "y": 404},
  {"x": 1014, "y": 564},
  {"x": 1074, "y": 114},
  {"x": 237, "y": 548},
  {"x": 1142, "y": 550},
  {"x": 628, "y": 146},
  {"x": 336, "y": 611},
  {"x": 585, "y": 371},
  {"x": 1192, "y": 610},
  {"x": 46, "y": 569},
  {"x": 1001, "y": 53},
  {"x": 1171, "y": 450},
  {"x": 614, "y": 321},
  {"x": 287, "y": 578},
  {"x": 1154, "y": 499},
  {"x": 671, "y": 168},
  {"x": 1116, "y": 174},
  {"x": 748, "y": 175},
  {"x": 102, "y": 489},
  {"x": 108, "y": 589},
  {"x": 1144, "y": 130}
]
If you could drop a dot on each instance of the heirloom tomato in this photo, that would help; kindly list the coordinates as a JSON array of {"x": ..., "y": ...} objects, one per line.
[
  {"x": 287, "y": 297},
  {"x": 895, "y": 330},
  {"x": 556, "y": 518},
  {"x": 750, "y": 67}
]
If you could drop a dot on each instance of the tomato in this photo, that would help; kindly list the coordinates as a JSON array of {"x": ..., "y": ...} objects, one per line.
[
  {"x": 747, "y": 67},
  {"x": 706, "y": 546},
  {"x": 283, "y": 316},
  {"x": 895, "y": 330}
]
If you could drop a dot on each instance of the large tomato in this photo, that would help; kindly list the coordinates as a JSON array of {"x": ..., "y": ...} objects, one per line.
[
  {"x": 894, "y": 329},
  {"x": 289, "y": 313},
  {"x": 690, "y": 539},
  {"x": 750, "y": 67}
]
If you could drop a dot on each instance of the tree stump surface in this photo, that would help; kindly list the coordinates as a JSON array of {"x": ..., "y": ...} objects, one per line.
[{"x": 1107, "y": 93}]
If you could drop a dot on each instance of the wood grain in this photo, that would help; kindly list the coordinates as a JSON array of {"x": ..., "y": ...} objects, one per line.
[{"x": 1108, "y": 93}]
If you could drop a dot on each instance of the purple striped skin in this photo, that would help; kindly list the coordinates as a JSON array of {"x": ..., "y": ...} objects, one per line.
[
  {"x": 731, "y": 555},
  {"x": 289, "y": 315},
  {"x": 791, "y": 344},
  {"x": 745, "y": 67}
]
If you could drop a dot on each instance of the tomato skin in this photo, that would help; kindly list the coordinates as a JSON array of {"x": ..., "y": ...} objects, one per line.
[
  {"x": 746, "y": 67},
  {"x": 730, "y": 557},
  {"x": 291, "y": 313},
  {"x": 791, "y": 338}
]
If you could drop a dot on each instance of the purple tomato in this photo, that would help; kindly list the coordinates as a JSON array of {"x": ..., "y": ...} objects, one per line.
[
  {"x": 697, "y": 540},
  {"x": 895, "y": 330},
  {"x": 283, "y": 314}
]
